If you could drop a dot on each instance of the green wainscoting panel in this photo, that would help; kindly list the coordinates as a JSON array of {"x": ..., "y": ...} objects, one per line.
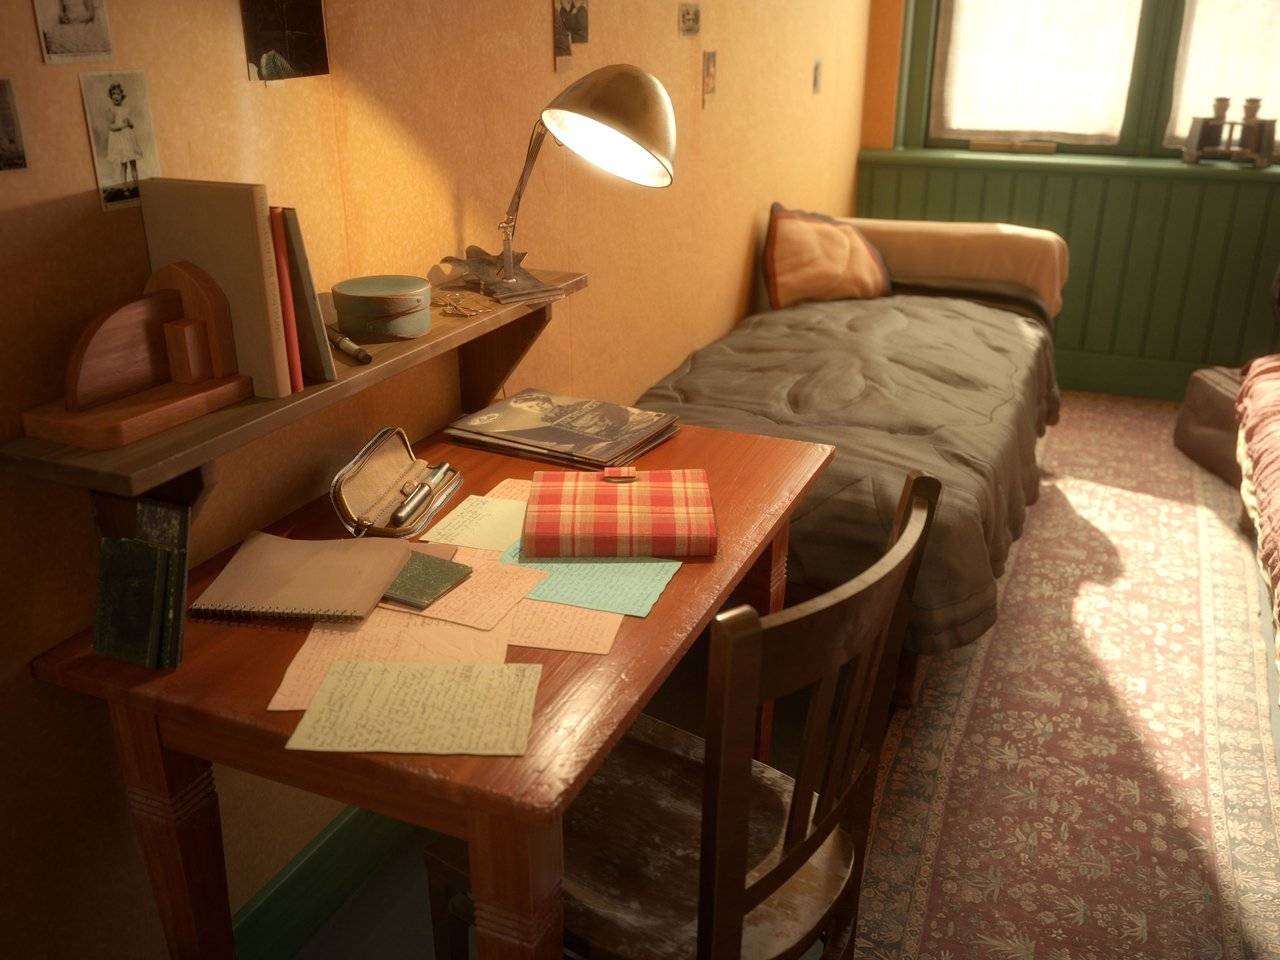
[
  {"x": 1171, "y": 265},
  {"x": 285, "y": 914}
]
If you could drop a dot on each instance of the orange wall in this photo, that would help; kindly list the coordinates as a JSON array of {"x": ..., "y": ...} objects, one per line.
[
  {"x": 407, "y": 152},
  {"x": 884, "y": 58}
]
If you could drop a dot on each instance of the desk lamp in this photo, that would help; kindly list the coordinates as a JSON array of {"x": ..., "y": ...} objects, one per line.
[{"x": 618, "y": 118}]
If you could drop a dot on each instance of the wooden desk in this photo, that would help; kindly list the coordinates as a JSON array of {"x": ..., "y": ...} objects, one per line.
[{"x": 169, "y": 726}]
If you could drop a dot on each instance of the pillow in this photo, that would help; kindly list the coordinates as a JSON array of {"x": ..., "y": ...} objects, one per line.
[{"x": 808, "y": 256}]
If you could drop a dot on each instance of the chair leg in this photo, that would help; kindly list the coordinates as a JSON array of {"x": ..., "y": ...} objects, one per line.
[
  {"x": 449, "y": 935},
  {"x": 909, "y": 681}
]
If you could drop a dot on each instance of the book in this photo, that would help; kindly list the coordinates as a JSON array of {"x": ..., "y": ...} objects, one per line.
[
  {"x": 277, "y": 578},
  {"x": 425, "y": 579},
  {"x": 568, "y": 430},
  {"x": 129, "y": 615},
  {"x": 288, "y": 318},
  {"x": 225, "y": 229},
  {"x": 313, "y": 344},
  {"x": 622, "y": 512}
]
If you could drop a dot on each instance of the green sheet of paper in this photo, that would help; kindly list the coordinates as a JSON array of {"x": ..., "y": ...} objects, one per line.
[
  {"x": 626, "y": 585},
  {"x": 425, "y": 579}
]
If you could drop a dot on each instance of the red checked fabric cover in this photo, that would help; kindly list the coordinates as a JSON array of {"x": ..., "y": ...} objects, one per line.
[{"x": 619, "y": 513}]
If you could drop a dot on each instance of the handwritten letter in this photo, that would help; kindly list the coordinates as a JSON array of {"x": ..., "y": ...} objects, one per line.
[
  {"x": 558, "y": 626},
  {"x": 385, "y": 635},
  {"x": 629, "y": 585},
  {"x": 485, "y": 597},
  {"x": 490, "y": 524},
  {"x": 480, "y": 709}
]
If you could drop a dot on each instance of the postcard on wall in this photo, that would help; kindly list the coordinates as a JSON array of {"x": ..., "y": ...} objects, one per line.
[
  {"x": 708, "y": 74},
  {"x": 13, "y": 155},
  {"x": 73, "y": 30},
  {"x": 284, "y": 39},
  {"x": 121, "y": 135},
  {"x": 690, "y": 20},
  {"x": 561, "y": 36}
]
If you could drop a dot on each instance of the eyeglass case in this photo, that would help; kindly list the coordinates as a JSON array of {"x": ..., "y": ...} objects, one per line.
[{"x": 369, "y": 489}]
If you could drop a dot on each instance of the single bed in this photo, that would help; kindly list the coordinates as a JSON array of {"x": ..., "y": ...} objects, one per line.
[{"x": 958, "y": 388}]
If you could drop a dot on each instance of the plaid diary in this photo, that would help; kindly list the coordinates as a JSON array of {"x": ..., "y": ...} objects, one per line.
[{"x": 619, "y": 513}]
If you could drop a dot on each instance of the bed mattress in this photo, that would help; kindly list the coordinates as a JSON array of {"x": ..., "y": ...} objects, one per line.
[{"x": 945, "y": 386}]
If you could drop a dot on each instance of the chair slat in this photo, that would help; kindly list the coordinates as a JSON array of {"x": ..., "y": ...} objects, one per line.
[{"x": 815, "y": 734}]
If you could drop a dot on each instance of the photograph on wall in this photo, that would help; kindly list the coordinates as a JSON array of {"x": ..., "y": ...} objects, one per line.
[
  {"x": 561, "y": 36},
  {"x": 572, "y": 16},
  {"x": 284, "y": 39},
  {"x": 118, "y": 112},
  {"x": 690, "y": 20},
  {"x": 708, "y": 74},
  {"x": 13, "y": 155},
  {"x": 73, "y": 30}
]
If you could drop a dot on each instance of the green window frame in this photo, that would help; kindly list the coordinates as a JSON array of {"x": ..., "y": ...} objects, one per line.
[{"x": 1155, "y": 59}]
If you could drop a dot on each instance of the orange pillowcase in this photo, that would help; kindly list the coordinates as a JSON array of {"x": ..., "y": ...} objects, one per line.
[{"x": 808, "y": 256}]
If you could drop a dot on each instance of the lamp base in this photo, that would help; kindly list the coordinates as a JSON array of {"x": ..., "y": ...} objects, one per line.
[{"x": 484, "y": 270}]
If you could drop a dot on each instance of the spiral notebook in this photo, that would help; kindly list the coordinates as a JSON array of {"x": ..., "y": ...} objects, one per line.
[{"x": 303, "y": 579}]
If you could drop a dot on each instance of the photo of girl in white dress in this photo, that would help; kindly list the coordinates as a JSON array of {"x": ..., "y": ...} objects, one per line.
[{"x": 118, "y": 111}]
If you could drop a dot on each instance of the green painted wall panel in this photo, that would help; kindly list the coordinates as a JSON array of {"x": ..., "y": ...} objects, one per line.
[
  {"x": 1171, "y": 265},
  {"x": 997, "y": 197},
  {"x": 940, "y": 195},
  {"x": 1149, "y": 215},
  {"x": 1229, "y": 310},
  {"x": 1208, "y": 255},
  {"x": 1082, "y": 238},
  {"x": 968, "y": 195},
  {"x": 911, "y": 191},
  {"x": 1102, "y": 310}
]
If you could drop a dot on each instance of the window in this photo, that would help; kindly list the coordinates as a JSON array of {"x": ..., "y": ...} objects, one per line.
[
  {"x": 1034, "y": 69},
  {"x": 1230, "y": 48},
  {"x": 1096, "y": 76}
]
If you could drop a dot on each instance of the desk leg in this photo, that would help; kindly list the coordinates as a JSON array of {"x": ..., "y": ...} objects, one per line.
[
  {"x": 516, "y": 872},
  {"x": 766, "y": 589},
  {"x": 175, "y": 815}
]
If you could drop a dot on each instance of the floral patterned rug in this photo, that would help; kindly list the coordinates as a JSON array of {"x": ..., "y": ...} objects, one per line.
[{"x": 1095, "y": 777}]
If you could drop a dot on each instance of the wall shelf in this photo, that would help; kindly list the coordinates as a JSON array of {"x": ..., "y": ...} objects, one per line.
[{"x": 489, "y": 345}]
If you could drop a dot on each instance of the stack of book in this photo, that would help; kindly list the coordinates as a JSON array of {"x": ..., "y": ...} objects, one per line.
[
  {"x": 255, "y": 253},
  {"x": 567, "y": 430}
]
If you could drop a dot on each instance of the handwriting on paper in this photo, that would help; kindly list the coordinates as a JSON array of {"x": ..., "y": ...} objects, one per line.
[
  {"x": 489, "y": 524},
  {"x": 481, "y": 709},
  {"x": 628, "y": 585},
  {"x": 558, "y": 626},
  {"x": 512, "y": 488},
  {"x": 472, "y": 557},
  {"x": 385, "y": 635},
  {"x": 485, "y": 597}
]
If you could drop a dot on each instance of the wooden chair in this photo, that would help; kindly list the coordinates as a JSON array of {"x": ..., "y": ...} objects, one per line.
[{"x": 680, "y": 848}]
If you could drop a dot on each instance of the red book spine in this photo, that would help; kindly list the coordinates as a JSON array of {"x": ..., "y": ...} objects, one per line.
[{"x": 281, "y": 246}]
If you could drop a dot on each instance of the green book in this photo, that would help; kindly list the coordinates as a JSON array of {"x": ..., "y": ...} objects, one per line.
[
  {"x": 129, "y": 618},
  {"x": 425, "y": 579}
]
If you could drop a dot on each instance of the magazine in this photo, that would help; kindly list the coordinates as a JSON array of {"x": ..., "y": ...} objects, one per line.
[{"x": 565, "y": 429}]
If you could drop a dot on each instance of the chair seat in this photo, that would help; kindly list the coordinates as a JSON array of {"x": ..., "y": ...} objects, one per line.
[{"x": 632, "y": 842}]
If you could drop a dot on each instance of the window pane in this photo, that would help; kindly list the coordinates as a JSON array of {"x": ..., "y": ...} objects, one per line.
[
  {"x": 1034, "y": 68},
  {"x": 1230, "y": 48}
]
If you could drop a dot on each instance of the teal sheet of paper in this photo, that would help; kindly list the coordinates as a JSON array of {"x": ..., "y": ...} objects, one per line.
[{"x": 626, "y": 585}]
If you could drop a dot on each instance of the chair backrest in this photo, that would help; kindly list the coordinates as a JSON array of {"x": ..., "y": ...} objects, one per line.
[{"x": 844, "y": 647}]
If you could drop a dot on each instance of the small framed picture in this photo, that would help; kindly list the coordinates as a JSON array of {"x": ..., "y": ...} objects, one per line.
[
  {"x": 73, "y": 30},
  {"x": 117, "y": 110},
  {"x": 708, "y": 74},
  {"x": 13, "y": 155},
  {"x": 690, "y": 20},
  {"x": 284, "y": 39}
]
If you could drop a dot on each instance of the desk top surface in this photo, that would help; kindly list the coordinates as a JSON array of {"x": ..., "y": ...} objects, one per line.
[{"x": 214, "y": 704}]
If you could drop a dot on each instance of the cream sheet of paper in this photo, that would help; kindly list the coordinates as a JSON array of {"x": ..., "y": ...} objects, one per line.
[
  {"x": 558, "y": 626},
  {"x": 385, "y": 635},
  {"x": 489, "y": 524},
  {"x": 481, "y": 709},
  {"x": 485, "y": 597},
  {"x": 512, "y": 489}
]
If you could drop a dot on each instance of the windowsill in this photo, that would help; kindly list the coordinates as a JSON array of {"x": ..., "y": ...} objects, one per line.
[{"x": 1076, "y": 162}]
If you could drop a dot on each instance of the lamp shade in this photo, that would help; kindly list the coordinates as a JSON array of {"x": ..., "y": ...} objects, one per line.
[{"x": 620, "y": 119}]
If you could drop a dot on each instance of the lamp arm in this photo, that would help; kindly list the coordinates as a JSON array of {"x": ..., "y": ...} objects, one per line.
[{"x": 508, "y": 224}]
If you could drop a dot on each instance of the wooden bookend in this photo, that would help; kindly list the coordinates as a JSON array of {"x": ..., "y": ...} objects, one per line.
[
  {"x": 188, "y": 349},
  {"x": 122, "y": 352},
  {"x": 202, "y": 299}
]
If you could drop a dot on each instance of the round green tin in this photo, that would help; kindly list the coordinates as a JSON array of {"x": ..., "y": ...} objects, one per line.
[{"x": 393, "y": 307}]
